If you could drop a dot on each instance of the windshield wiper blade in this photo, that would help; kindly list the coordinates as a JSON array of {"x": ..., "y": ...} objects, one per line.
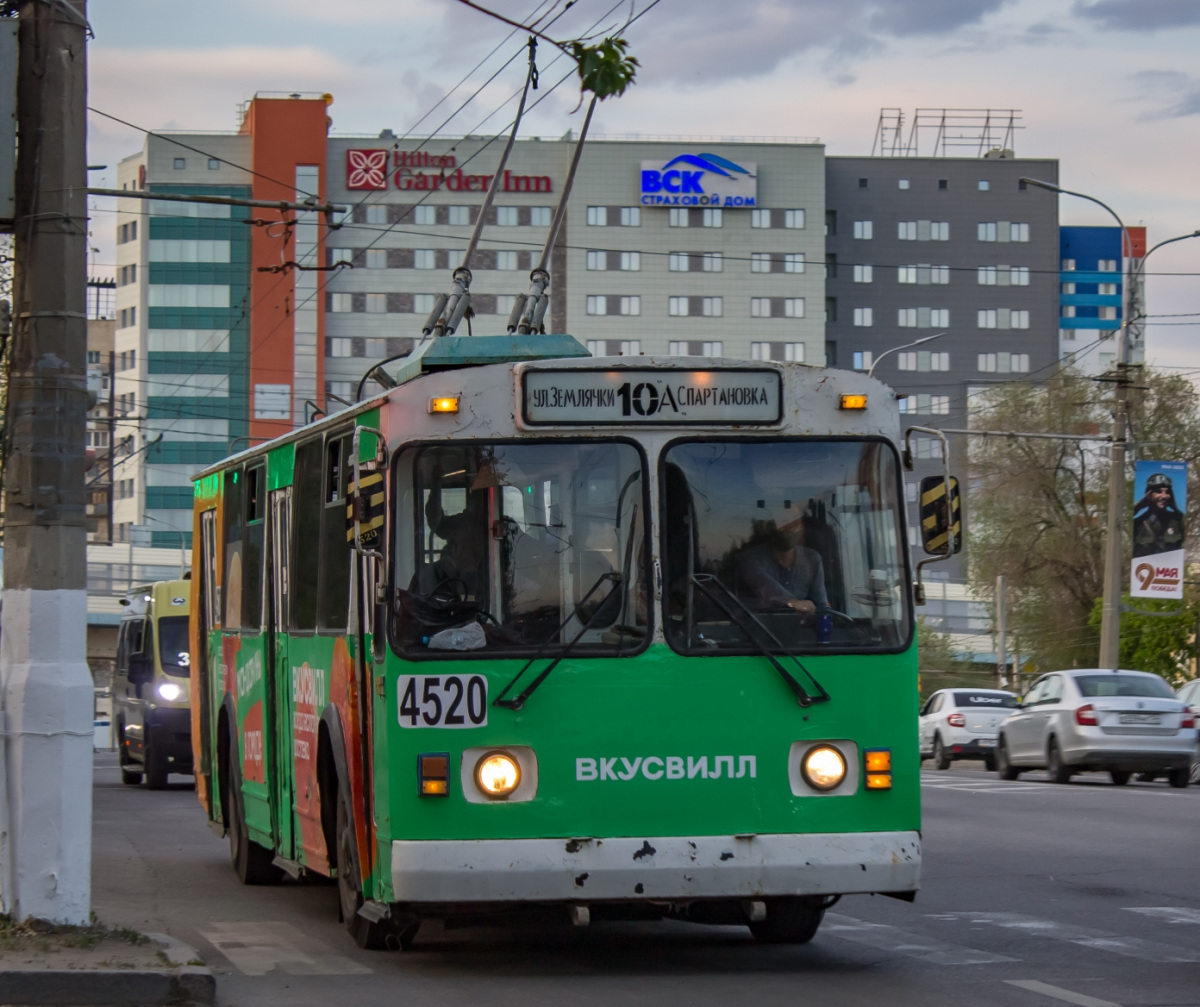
[
  {"x": 755, "y": 631},
  {"x": 519, "y": 701}
]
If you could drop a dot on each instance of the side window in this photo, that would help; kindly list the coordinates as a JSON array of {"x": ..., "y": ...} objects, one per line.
[
  {"x": 208, "y": 547},
  {"x": 333, "y": 600},
  {"x": 1053, "y": 690},
  {"x": 123, "y": 649},
  {"x": 1034, "y": 696},
  {"x": 928, "y": 707},
  {"x": 307, "y": 505},
  {"x": 232, "y": 560},
  {"x": 253, "y": 556},
  {"x": 938, "y": 702},
  {"x": 148, "y": 638}
]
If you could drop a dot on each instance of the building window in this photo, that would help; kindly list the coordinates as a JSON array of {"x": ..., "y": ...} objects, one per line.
[
  {"x": 862, "y": 360},
  {"x": 906, "y": 318},
  {"x": 93, "y": 356},
  {"x": 793, "y": 307},
  {"x": 597, "y": 347},
  {"x": 864, "y": 230},
  {"x": 631, "y": 305},
  {"x": 425, "y": 215},
  {"x": 906, "y": 230},
  {"x": 677, "y": 307},
  {"x": 630, "y": 348},
  {"x": 424, "y": 258},
  {"x": 986, "y": 232},
  {"x": 902, "y": 183},
  {"x": 1107, "y": 266},
  {"x": 760, "y": 307},
  {"x": 376, "y": 258},
  {"x": 866, "y": 274},
  {"x": 375, "y": 347},
  {"x": 934, "y": 404},
  {"x": 712, "y": 307},
  {"x": 507, "y": 260},
  {"x": 376, "y": 214},
  {"x": 1108, "y": 313},
  {"x": 214, "y": 164},
  {"x": 506, "y": 216},
  {"x": 505, "y": 304},
  {"x": 939, "y": 275},
  {"x": 540, "y": 216},
  {"x": 986, "y": 276},
  {"x": 1003, "y": 363},
  {"x": 341, "y": 302},
  {"x": 710, "y": 217},
  {"x": 188, "y": 295},
  {"x": 922, "y": 361},
  {"x": 713, "y": 349},
  {"x": 631, "y": 216},
  {"x": 1018, "y": 319},
  {"x": 760, "y": 218},
  {"x": 1067, "y": 288},
  {"x": 1068, "y": 265},
  {"x": 180, "y": 163},
  {"x": 187, "y": 250},
  {"x": 677, "y": 349},
  {"x": 862, "y": 183},
  {"x": 677, "y": 262},
  {"x": 712, "y": 262},
  {"x": 1019, "y": 276},
  {"x": 1018, "y": 232},
  {"x": 864, "y": 317},
  {"x": 458, "y": 216},
  {"x": 1068, "y": 310},
  {"x": 422, "y": 303},
  {"x": 939, "y": 318},
  {"x": 597, "y": 260},
  {"x": 340, "y": 346},
  {"x": 597, "y": 304},
  {"x": 906, "y": 274},
  {"x": 597, "y": 216},
  {"x": 943, "y": 183},
  {"x": 939, "y": 230},
  {"x": 760, "y": 262},
  {"x": 793, "y": 262},
  {"x": 631, "y": 262},
  {"x": 986, "y": 318},
  {"x": 677, "y": 217},
  {"x": 1106, "y": 289},
  {"x": 984, "y": 185},
  {"x": 340, "y": 256},
  {"x": 376, "y": 304},
  {"x": 793, "y": 219}
]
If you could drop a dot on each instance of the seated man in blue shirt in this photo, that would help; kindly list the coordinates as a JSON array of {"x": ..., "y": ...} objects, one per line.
[{"x": 783, "y": 572}]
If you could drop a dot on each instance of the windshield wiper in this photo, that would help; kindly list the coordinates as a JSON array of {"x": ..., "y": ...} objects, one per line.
[
  {"x": 516, "y": 704},
  {"x": 756, "y": 632}
]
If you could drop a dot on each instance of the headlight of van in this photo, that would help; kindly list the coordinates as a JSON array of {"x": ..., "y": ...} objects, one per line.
[{"x": 172, "y": 692}]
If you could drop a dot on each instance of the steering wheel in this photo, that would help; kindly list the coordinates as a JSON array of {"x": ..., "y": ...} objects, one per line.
[
  {"x": 841, "y": 615},
  {"x": 449, "y": 593}
]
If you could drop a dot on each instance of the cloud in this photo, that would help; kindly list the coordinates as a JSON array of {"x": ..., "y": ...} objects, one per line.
[
  {"x": 1181, "y": 92},
  {"x": 1140, "y": 15}
]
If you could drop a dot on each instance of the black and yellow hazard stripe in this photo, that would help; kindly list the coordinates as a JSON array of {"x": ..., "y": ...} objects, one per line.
[{"x": 365, "y": 508}]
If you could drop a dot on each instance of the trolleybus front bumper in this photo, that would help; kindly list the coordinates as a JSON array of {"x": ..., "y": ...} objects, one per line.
[{"x": 674, "y": 867}]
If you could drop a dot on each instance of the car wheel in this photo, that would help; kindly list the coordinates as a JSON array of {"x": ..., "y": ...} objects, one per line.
[
  {"x": 1179, "y": 778},
  {"x": 1058, "y": 772},
  {"x": 130, "y": 776},
  {"x": 1120, "y": 777},
  {"x": 941, "y": 758},
  {"x": 252, "y": 863},
  {"x": 1194, "y": 776},
  {"x": 989, "y": 763},
  {"x": 369, "y": 934},
  {"x": 1003, "y": 769},
  {"x": 789, "y": 921},
  {"x": 156, "y": 767}
]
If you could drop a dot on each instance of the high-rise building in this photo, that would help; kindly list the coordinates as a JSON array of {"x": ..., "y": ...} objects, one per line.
[{"x": 1092, "y": 287}]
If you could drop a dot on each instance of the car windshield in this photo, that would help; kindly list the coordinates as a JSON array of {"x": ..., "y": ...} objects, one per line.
[
  {"x": 173, "y": 644},
  {"x": 515, "y": 547},
  {"x": 985, "y": 700},
  {"x": 1098, "y": 686},
  {"x": 804, "y": 535}
]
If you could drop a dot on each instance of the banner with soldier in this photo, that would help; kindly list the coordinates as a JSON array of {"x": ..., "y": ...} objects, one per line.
[{"x": 1159, "y": 514}]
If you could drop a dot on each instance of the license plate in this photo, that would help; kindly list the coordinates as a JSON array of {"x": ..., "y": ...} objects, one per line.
[
  {"x": 1140, "y": 718},
  {"x": 442, "y": 700},
  {"x": 987, "y": 742}
]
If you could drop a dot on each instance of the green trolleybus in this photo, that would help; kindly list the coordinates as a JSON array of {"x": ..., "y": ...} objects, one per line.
[{"x": 533, "y": 631}]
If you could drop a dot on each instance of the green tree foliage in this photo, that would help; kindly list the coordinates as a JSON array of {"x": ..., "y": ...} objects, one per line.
[
  {"x": 934, "y": 651},
  {"x": 1159, "y": 643},
  {"x": 1037, "y": 508}
]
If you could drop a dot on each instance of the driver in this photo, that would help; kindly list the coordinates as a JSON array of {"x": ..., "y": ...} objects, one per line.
[
  {"x": 464, "y": 556},
  {"x": 783, "y": 572}
]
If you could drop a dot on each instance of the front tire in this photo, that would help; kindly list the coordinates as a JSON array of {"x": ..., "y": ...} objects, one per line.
[
  {"x": 989, "y": 763},
  {"x": 1004, "y": 769},
  {"x": 1120, "y": 777},
  {"x": 130, "y": 775},
  {"x": 1194, "y": 775},
  {"x": 1057, "y": 770},
  {"x": 156, "y": 767},
  {"x": 368, "y": 934},
  {"x": 1181, "y": 777},
  {"x": 789, "y": 921},
  {"x": 941, "y": 758}
]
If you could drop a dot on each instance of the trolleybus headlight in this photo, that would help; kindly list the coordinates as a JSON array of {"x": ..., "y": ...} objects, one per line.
[
  {"x": 823, "y": 767},
  {"x": 497, "y": 774},
  {"x": 170, "y": 691}
]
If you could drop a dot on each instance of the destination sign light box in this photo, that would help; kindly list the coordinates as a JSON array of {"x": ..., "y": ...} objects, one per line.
[{"x": 666, "y": 397}]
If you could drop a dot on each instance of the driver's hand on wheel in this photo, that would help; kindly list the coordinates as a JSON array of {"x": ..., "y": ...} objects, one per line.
[{"x": 803, "y": 607}]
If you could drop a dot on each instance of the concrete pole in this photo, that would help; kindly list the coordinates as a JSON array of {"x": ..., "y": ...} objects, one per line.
[
  {"x": 1001, "y": 633},
  {"x": 45, "y": 684}
]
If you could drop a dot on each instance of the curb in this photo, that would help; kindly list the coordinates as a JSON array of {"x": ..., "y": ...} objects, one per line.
[{"x": 184, "y": 986}]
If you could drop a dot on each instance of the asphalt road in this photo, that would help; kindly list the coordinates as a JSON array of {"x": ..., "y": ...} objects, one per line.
[{"x": 1035, "y": 895}]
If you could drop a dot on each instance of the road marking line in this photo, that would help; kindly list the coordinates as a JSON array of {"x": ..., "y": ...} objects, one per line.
[
  {"x": 258, "y": 948},
  {"x": 1080, "y": 999},
  {"x": 1172, "y": 914},
  {"x": 1131, "y": 947},
  {"x": 887, "y": 938}
]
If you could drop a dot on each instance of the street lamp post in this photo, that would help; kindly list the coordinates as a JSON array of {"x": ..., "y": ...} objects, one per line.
[
  {"x": 904, "y": 346},
  {"x": 1110, "y": 623}
]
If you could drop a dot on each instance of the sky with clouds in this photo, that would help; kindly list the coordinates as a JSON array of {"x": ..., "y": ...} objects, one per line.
[{"x": 1109, "y": 87}]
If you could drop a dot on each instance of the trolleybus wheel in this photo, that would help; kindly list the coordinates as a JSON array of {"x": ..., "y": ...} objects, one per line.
[
  {"x": 789, "y": 921},
  {"x": 369, "y": 934},
  {"x": 156, "y": 767},
  {"x": 251, "y": 863}
]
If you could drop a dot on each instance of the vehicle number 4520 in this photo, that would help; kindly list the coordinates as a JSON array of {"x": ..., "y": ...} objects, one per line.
[{"x": 442, "y": 700}]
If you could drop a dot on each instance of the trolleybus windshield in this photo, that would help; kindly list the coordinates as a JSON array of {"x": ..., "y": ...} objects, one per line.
[
  {"x": 515, "y": 547},
  {"x": 804, "y": 536}
]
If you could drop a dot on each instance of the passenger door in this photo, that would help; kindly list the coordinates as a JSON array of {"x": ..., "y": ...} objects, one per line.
[
  {"x": 279, "y": 670},
  {"x": 1049, "y": 708},
  {"x": 928, "y": 719},
  {"x": 1018, "y": 729}
]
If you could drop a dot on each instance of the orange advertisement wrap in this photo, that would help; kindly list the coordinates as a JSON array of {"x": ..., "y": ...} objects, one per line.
[{"x": 308, "y": 693}]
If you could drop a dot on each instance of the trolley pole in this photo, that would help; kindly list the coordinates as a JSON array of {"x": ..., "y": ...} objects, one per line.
[{"x": 45, "y": 684}]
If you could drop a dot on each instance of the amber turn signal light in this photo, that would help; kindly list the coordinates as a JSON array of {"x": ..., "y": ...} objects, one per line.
[
  {"x": 853, "y": 402},
  {"x": 444, "y": 404},
  {"x": 878, "y": 764},
  {"x": 433, "y": 774}
]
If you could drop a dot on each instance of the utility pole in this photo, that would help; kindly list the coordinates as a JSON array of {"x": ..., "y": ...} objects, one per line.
[
  {"x": 1001, "y": 633},
  {"x": 46, "y": 798},
  {"x": 112, "y": 437}
]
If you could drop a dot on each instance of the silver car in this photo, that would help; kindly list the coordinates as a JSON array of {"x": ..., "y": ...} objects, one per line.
[
  {"x": 1087, "y": 720},
  {"x": 1190, "y": 693},
  {"x": 962, "y": 724}
]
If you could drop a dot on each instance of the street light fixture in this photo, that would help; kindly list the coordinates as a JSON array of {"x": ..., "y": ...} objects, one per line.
[
  {"x": 1110, "y": 623},
  {"x": 905, "y": 346}
]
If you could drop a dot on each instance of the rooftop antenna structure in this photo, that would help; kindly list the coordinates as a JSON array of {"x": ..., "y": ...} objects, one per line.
[
  {"x": 529, "y": 310},
  {"x": 450, "y": 309},
  {"x": 947, "y": 132}
]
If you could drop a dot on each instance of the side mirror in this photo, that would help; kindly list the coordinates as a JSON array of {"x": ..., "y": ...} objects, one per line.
[
  {"x": 940, "y": 518},
  {"x": 141, "y": 668}
]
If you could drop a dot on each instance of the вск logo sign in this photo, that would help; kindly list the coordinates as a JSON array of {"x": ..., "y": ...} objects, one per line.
[{"x": 699, "y": 180}]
